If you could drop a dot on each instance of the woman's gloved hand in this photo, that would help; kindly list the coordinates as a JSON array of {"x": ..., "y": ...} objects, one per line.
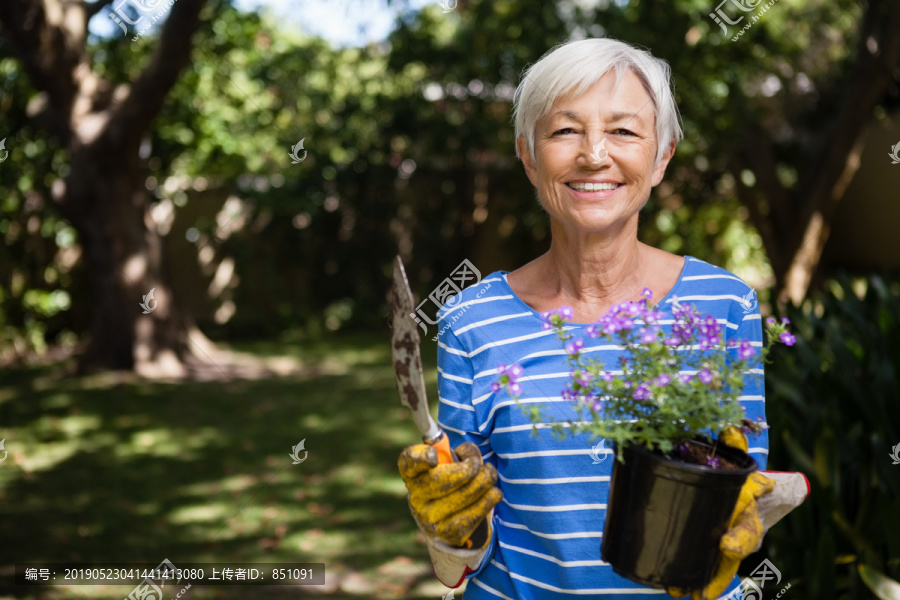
[
  {"x": 762, "y": 502},
  {"x": 449, "y": 501}
]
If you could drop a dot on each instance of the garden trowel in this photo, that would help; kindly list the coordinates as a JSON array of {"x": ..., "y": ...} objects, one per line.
[{"x": 408, "y": 364}]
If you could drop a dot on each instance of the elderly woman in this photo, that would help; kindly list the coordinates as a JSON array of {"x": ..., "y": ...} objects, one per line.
[{"x": 521, "y": 515}]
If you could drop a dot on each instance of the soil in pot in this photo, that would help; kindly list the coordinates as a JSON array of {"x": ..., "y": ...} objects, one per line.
[
  {"x": 665, "y": 517},
  {"x": 697, "y": 454}
]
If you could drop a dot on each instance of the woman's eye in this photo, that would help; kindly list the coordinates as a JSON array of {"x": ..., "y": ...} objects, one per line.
[
  {"x": 564, "y": 131},
  {"x": 621, "y": 131}
]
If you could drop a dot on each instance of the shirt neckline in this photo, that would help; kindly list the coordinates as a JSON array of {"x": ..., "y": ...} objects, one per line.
[{"x": 671, "y": 294}]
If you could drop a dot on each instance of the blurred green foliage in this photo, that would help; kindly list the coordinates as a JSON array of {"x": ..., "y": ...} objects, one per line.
[
  {"x": 409, "y": 146},
  {"x": 834, "y": 412}
]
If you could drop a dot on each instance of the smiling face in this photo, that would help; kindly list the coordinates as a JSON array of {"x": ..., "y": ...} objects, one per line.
[{"x": 595, "y": 156}]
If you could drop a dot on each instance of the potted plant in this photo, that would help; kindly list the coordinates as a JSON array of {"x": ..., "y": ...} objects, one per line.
[{"x": 664, "y": 406}]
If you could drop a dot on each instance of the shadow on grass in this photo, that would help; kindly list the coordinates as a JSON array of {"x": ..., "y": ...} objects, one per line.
[{"x": 105, "y": 471}]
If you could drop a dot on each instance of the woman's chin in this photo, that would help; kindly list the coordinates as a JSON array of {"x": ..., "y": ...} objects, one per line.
[{"x": 593, "y": 222}]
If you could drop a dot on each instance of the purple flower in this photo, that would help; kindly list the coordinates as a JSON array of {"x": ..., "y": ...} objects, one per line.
[
  {"x": 642, "y": 392},
  {"x": 745, "y": 349},
  {"x": 785, "y": 320},
  {"x": 501, "y": 369},
  {"x": 515, "y": 389},
  {"x": 608, "y": 377},
  {"x": 705, "y": 376},
  {"x": 495, "y": 387},
  {"x": 713, "y": 462},
  {"x": 583, "y": 378},
  {"x": 575, "y": 346},
  {"x": 770, "y": 320},
  {"x": 646, "y": 293},
  {"x": 564, "y": 313},
  {"x": 515, "y": 372},
  {"x": 652, "y": 316},
  {"x": 787, "y": 338},
  {"x": 686, "y": 377},
  {"x": 710, "y": 333},
  {"x": 662, "y": 380},
  {"x": 649, "y": 334}
]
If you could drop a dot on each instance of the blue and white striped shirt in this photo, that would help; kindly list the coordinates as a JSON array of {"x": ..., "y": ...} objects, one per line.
[{"x": 549, "y": 525}]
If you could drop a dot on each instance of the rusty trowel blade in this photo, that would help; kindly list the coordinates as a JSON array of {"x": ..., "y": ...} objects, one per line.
[{"x": 405, "y": 350}]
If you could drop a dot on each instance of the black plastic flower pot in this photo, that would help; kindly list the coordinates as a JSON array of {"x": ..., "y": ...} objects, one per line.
[{"x": 664, "y": 518}]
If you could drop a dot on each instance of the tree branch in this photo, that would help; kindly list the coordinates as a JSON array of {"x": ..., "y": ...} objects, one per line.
[
  {"x": 832, "y": 168},
  {"x": 149, "y": 91},
  {"x": 44, "y": 50},
  {"x": 871, "y": 76}
]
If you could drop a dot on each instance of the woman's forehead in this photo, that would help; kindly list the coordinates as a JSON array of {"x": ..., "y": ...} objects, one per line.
[{"x": 625, "y": 100}]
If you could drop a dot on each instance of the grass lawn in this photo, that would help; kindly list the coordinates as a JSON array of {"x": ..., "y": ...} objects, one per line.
[{"x": 108, "y": 468}]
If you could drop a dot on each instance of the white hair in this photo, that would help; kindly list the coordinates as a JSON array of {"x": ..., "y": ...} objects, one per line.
[{"x": 576, "y": 66}]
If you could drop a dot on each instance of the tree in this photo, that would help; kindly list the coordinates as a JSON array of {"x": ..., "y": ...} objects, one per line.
[
  {"x": 823, "y": 147},
  {"x": 101, "y": 123}
]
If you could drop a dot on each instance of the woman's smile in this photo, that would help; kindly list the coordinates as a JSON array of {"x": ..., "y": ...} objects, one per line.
[{"x": 594, "y": 189}]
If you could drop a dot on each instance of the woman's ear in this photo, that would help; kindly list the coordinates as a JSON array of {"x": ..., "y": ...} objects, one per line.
[
  {"x": 527, "y": 160},
  {"x": 660, "y": 169}
]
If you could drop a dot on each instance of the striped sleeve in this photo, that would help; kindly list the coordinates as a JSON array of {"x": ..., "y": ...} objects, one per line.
[{"x": 752, "y": 397}]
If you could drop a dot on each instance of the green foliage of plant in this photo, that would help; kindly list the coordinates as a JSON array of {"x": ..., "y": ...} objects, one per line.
[
  {"x": 834, "y": 415},
  {"x": 672, "y": 388}
]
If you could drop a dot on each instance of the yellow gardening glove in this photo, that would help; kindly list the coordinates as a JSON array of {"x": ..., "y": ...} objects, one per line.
[
  {"x": 745, "y": 532},
  {"x": 449, "y": 501}
]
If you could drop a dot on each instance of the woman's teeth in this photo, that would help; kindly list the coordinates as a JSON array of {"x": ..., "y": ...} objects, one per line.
[{"x": 593, "y": 187}]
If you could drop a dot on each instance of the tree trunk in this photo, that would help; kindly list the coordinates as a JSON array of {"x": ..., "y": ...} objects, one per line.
[
  {"x": 124, "y": 261},
  {"x": 102, "y": 123},
  {"x": 795, "y": 222}
]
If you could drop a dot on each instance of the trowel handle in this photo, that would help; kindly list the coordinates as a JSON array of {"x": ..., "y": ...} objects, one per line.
[{"x": 441, "y": 444}]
